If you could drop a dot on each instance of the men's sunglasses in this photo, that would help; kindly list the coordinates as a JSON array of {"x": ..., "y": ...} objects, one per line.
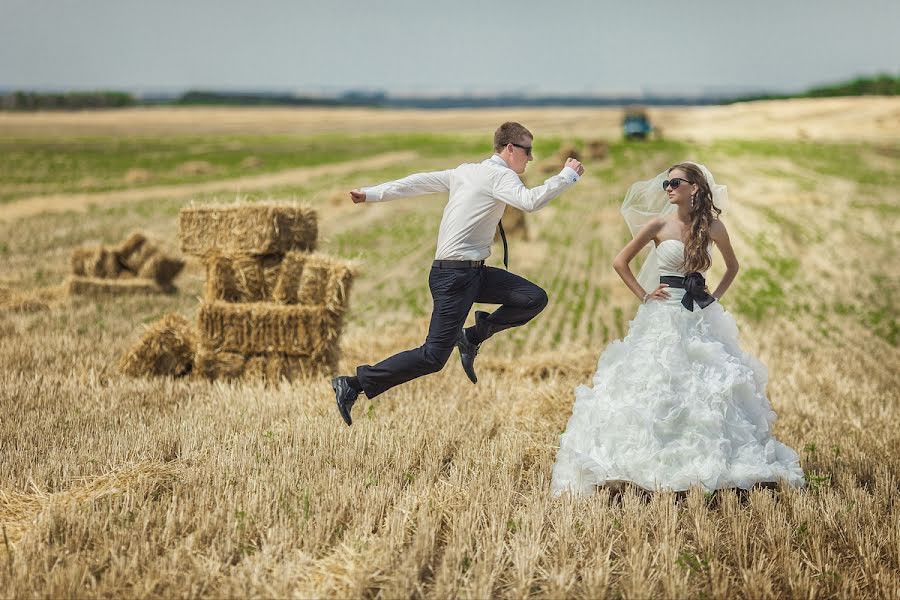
[
  {"x": 527, "y": 149},
  {"x": 674, "y": 182}
]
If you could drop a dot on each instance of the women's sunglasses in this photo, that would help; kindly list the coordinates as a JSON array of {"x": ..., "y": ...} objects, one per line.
[{"x": 674, "y": 182}]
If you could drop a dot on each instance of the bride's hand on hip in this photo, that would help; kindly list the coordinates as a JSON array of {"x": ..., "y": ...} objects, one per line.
[{"x": 659, "y": 293}]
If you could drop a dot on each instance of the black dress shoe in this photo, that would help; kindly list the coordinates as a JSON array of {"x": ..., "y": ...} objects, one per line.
[
  {"x": 467, "y": 353},
  {"x": 345, "y": 395}
]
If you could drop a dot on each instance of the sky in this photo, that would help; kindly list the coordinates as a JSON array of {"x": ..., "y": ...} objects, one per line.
[{"x": 451, "y": 47}]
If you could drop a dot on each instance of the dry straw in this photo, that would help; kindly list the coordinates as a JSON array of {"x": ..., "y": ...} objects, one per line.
[
  {"x": 166, "y": 348},
  {"x": 161, "y": 269},
  {"x": 244, "y": 278},
  {"x": 298, "y": 278},
  {"x": 265, "y": 327},
  {"x": 96, "y": 287},
  {"x": 136, "y": 256},
  {"x": 272, "y": 367},
  {"x": 21, "y": 302},
  {"x": 95, "y": 261},
  {"x": 243, "y": 228},
  {"x": 315, "y": 280}
]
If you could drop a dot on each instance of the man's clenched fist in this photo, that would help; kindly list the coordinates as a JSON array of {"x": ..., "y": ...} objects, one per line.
[{"x": 575, "y": 166}]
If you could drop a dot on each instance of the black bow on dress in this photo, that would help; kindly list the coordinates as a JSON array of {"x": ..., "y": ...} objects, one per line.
[{"x": 695, "y": 291}]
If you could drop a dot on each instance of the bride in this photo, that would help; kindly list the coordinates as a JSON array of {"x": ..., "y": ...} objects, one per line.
[{"x": 676, "y": 403}]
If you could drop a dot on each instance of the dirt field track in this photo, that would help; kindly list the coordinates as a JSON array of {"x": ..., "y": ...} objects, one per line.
[{"x": 112, "y": 486}]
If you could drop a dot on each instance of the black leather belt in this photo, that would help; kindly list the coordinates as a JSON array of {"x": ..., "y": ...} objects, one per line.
[{"x": 457, "y": 264}]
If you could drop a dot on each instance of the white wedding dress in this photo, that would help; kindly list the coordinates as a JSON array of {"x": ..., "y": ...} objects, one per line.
[{"x": 675, "y": 404}]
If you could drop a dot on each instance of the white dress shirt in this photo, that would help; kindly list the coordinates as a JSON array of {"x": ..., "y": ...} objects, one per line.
[{"x": 478, "y": 195}]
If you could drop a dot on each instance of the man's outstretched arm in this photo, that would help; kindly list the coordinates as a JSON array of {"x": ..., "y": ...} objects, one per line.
[
  {"x": 413, "y": 185},
  {"x": 510, "y": 189}
]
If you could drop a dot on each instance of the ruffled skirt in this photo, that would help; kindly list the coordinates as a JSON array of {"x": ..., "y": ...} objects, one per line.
[{"x": 675, "y": 404}]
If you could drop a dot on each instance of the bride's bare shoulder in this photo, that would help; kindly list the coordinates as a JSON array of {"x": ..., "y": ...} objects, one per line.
[{"x": 717, "y": 229}]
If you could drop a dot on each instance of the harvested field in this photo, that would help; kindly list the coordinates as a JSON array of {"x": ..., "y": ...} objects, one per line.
[
  {"x": 113, "y": 486},
  {"x": 95, "y": 287},
  {"x": 271, "y": 368}
]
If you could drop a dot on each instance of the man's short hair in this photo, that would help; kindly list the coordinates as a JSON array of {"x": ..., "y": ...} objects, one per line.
[{"x": 510, "y": 133}]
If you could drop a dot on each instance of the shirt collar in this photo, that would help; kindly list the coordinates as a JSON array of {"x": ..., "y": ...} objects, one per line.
[{"x": 497, "y": 159}]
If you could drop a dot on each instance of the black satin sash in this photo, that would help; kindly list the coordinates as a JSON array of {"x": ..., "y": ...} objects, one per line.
[{"x": 694, "y": 286}]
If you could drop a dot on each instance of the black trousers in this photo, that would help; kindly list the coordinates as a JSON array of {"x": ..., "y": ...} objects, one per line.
[{"x": 454, "y": 291}]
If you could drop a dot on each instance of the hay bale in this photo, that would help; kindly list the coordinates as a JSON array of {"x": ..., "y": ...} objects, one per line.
[
  {"x": 196, "y": 167},
  {"x": 94, "y": 287},
  {"x": 566, "y": 151},
  {"x": 128, "y": 247},
  {"x": 139, "y": 256},
  {"x": 315, "y": 280},
  {"x": 95, "y": 261},
  {"x": 244, "y": 278},
  {"x": 513, "y": 224},
  {"x": 270, "y": 368},
  {"x": 264, "y": 327},
  {"x": 137, "y": 175},
  {"x": 219, "y": 365},
  {"x": 260, "y": 228},
  {"x": 167, "y": 348},
  {"x": 597, "y": 149},
  {"x": 161, "y": 269}
]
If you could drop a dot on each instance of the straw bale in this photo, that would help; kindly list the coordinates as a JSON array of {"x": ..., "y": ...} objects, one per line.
[
  {"x": 597, "y": 149},
  {"x": 21, "y": 302},
  {"x": 513, "y": 224},
  {"x": 137, "y": 175},
  {"x": 130, "y": 245},
  {"x": 315, "y": 280},
  {"x": 272, "y": 367},
  {"x": 219, "y": 365},
  {"x": 197, "y": 167},
  {"x": 289, "y": 276},
  {"x": 166, "y": 348},
  {"x": 259, "y": 228},
  {"x": 313, "y": 283},
  {"x": 139, "y": 256},
  {"x": 243, "y": 278},
  {"x": 95, "y": 261},
  {"x": 566, "y": 151},
  {"x": 262, "y": 327},
  {"x": 161, "y": 269},
  {"x": 337, "y": 294},
  {"x": 98, "y": 287}
]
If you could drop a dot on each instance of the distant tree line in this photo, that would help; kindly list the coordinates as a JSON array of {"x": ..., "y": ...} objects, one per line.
[
  {"x": 66, "y": 101},
  {"x": 200, "y": 97},
  {"x": 879, "y": 85}
]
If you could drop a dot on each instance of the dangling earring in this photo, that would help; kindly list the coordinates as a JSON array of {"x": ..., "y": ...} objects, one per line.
[{"x": 693, "y": 197}]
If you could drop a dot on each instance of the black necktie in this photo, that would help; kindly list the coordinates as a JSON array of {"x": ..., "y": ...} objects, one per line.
[{"x": 505, "y": 246}]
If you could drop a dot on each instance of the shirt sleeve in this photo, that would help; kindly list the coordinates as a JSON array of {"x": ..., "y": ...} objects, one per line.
[
  {"x": 413, "y": 185},
  {"x": 510, "y": 189}
]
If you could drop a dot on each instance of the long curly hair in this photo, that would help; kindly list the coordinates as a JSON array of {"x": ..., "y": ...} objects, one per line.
[{"x": 703, "y": 212}]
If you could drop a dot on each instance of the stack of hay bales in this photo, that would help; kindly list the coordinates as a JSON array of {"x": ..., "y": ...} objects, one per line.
[
  {"x": 135, "y": 266},
  {"x": 272, "y": 309}
]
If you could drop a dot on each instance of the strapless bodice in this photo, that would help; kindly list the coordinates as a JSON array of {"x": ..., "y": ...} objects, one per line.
[{"x": 670, "y": 257}]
